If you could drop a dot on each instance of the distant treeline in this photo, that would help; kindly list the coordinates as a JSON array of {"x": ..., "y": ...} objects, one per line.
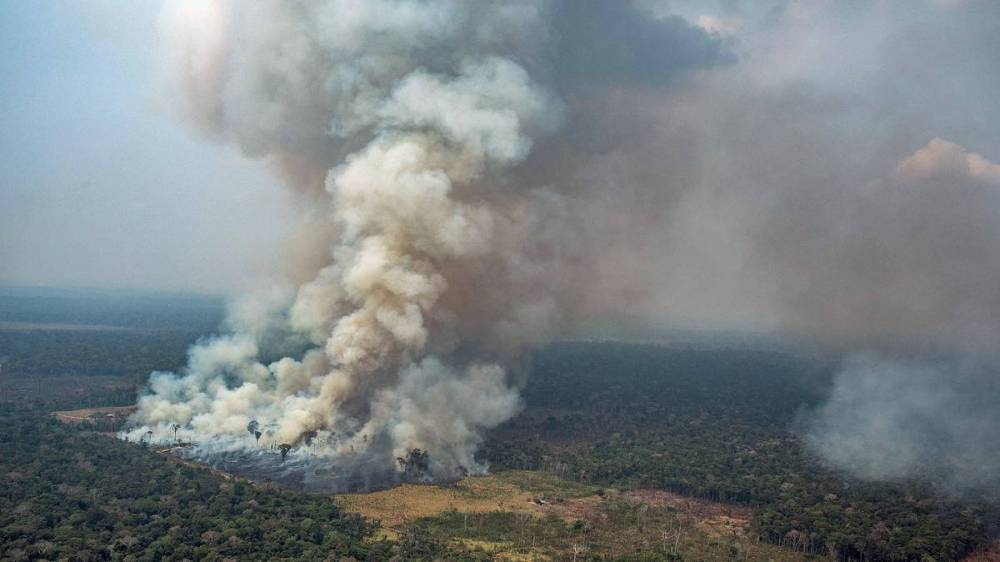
[
  {"x": 50, "y": 332},
  {"x": 122, "y": 309},
  {"x": 43, "y": 353}
]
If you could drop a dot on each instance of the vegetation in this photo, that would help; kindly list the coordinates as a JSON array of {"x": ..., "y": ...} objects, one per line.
[
  {"x": 46, "y": 332},
  {"x": 117, "y": 353},
  {"x": 720, "y": 425},
  {"x": 604, "y": 425},
  {"x": 75, "y": 495},
  {"x": 526, "y": 515}
]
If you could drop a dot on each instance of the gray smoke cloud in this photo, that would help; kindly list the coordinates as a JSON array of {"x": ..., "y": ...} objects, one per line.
[
  {"x": 890, "y": 420},
  {"x": 856, "y": 183}
]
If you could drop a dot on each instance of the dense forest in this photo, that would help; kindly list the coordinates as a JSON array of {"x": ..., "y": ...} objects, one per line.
[
  {"x": 77, "y": 495},
  {"x": 58, "y": 333},
  {"x": 43, "y": 353},
  {"x": 122, "y": 309}
]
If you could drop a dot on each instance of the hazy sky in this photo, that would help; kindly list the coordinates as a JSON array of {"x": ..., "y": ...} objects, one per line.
[{"x": 99, "y": 187}]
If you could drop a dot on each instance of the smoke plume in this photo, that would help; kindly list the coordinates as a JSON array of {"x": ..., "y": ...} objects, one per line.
[{"x": 890, "y": 420}]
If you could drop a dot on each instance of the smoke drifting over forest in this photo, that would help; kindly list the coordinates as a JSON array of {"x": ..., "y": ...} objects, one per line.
[
  {"x": 889, "y": 420},
  {"x": 477, "y": 178}
]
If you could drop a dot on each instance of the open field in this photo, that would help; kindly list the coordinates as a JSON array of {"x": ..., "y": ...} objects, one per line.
[
  {"x": 87, "y": 414},
  {"x": 529, "y": 515},
  {"x": 517, "y": 491}
]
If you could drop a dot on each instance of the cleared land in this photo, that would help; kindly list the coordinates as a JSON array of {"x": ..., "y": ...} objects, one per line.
[
  {"x": 529, "y": 515},
  {"x": 990, "y": 553},
  {"x": 89, "y": 414},
  {"x": 520, "y": 491}
]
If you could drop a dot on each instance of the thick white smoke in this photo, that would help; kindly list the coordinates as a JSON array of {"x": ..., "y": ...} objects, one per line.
[{"x": 443, "y": 250}]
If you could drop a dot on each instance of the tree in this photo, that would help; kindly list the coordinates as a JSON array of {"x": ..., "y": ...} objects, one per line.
[
  {"x": 285, "y": 447},
  {"x": 416, "y": 463},
  {"x": 252, "y": 427}
]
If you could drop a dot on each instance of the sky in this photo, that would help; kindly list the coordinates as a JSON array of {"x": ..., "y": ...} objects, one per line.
[{"x": 99, "y": 185}]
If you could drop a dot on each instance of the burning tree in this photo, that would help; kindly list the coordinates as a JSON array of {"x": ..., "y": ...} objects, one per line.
[
  {"x": 308, "y": 437},
  {"x": 285, "y": 447},
  {"x": 415, "y": 464}
]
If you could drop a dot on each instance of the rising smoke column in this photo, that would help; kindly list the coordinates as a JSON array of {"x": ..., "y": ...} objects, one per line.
[
  {"x": 412, "y": 112},
  {"x": 446, "y": 245}
]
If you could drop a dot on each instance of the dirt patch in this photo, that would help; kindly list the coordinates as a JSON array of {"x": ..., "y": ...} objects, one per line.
[
  {"x": 405, "y": 503},
  {"x": 715, "y": 519},
  {"x": 500, "y": 551},
  {"x": 989, "y": 554},
  {"x": 577, "y": 509},
  {"x": 89, "y": 414},
  {"x": 538, "y": 494}
]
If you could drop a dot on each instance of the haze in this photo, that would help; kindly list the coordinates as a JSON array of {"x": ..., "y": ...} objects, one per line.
[{"x": 99, "y": 186}]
